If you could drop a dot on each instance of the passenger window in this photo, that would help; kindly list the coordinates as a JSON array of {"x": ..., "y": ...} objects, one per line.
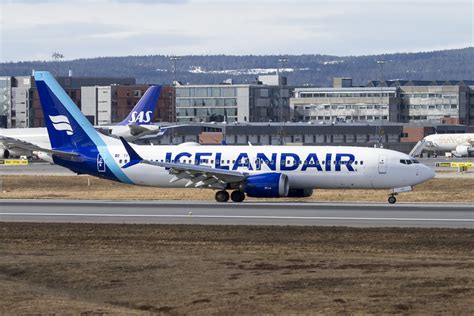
[
  {"x": 361, "y": 162},
  {"x": 355, "y": 162},
  {"x": 120, "y": 161}
]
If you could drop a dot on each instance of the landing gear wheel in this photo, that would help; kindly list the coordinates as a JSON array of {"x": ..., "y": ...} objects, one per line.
[
  {"x": 392, "y": 199},
  {"x": 237, "y": 196},
  {"x": 222, "y": 196}
]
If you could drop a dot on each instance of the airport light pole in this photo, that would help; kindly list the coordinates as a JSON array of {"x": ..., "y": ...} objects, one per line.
[
  {"x": 57, "y": 57},
  {"x": 173, "y": 60},
  {"x": 281, "y": 61},
  {"x": 379, "y": 131}
]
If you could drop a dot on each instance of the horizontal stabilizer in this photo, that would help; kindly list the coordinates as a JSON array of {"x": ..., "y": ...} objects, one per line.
[{"x": 134, "y": 157}]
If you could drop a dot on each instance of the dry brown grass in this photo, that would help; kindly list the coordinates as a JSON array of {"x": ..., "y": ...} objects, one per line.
[
  {"x": 76, "y": 187},
  {"x": 91, "y": 269}
]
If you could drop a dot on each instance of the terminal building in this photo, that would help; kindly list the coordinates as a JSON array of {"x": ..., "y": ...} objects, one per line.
[
  {"x": 265, "y": 101},
  {"x": 355, "y": 104},
  {"x": 102, "y": 100},
  {"x": 418, "y": 102}
]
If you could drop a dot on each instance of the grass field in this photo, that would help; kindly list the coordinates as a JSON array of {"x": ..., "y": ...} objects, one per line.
[
  {"x": 91, "y": 269},
  {"x": 76, "y": 187},
  {"x": 95, "y": 269}
]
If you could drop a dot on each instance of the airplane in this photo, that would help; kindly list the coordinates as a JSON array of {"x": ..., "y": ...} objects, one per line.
[
  {"x": 17, "y": 142},
  {"x": 460, "y": 145},
  {"x": 253, "y": 171}
]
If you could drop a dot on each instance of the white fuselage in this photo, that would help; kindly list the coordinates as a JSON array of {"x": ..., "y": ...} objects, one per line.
[
  {"x": 316, "y": 166},
  {"x": 39, "y": 136},
  {"x": 448, "y": 142}
]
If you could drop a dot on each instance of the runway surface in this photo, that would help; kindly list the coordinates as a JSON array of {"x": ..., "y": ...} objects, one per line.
[{"x": 213, "y": 213}]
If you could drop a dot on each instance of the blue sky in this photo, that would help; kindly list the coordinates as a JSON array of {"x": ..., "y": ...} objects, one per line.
[{"x": 33, "y": 29}]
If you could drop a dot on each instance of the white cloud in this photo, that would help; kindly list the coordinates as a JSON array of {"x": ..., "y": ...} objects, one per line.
[{"x": 34, "y": 29}]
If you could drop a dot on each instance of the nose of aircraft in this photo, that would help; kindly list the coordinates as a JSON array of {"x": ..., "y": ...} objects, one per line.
[{"x": 426, "y": 173}]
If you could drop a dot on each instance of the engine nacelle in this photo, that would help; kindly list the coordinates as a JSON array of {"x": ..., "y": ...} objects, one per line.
[
  {"x": 267, "y": 185},
  {"x": 4, "y": 154},
  {"x": 461, "y": 151},
  {"x": 300, "y": 193}
]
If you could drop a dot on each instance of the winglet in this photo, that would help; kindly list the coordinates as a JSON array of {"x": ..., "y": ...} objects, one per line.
[{"x": 134, "y": 157}]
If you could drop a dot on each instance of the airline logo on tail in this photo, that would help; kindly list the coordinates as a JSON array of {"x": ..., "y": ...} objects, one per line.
[
  {"x": 141, "y": 117},
  {"x": 61, "y": 123}
]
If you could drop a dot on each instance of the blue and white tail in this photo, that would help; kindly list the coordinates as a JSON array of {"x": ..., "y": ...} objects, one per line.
[
  {"x": 70, "y": 131},
  {"x": 67, "y": 126},
  {"x": 142, "y": 113}
]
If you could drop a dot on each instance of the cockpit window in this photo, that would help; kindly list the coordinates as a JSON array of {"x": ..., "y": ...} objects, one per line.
[{"x": 408, "y": 161}]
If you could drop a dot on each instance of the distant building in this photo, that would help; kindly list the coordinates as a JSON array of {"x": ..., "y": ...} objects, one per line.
[
  {"x": 445, "y": 102},
  {"x": 420, "y": 102},
  {"x": 355, "y": 104},
  {"x": 102, "y": 100},
  {"x": 258, "y": 102},
  {"x": 19, "y": 101}
]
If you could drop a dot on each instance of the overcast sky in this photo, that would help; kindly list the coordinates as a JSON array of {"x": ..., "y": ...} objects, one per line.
[{"x": 33, "y": 29}]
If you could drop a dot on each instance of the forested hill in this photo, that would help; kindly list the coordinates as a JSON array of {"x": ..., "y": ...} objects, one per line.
[{"x": 318, "y": 70}]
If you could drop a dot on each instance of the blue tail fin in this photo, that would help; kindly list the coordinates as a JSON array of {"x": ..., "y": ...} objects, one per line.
[
  {"x": 67, "y": 126},
  {"x": 143, "y": 112},
  {"x": 70, "y": 131}
]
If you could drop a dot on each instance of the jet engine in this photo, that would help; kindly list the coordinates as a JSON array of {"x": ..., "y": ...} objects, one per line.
[
  {"x": 267, "y": 185},
  {"x": 300, "y": 193},
  {"x": 4, "y": 153},
  {"x": 462, "y": 151}
]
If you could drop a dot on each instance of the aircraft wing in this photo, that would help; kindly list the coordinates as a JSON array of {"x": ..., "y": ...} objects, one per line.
[
  {"x": 197, "y": 175},
  {"x": 12, "y": 143}
]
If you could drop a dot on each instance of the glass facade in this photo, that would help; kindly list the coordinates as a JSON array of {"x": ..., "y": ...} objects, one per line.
[
  {"x": 345, "y": 105},
  {"x": 5, "y": 101},
  {"x": 206, "y": 104}
]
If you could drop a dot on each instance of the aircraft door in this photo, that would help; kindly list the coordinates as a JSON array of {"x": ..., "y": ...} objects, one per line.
[{"x": 382, "y": 164}]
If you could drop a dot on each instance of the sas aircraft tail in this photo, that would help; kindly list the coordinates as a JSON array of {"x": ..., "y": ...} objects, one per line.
[{"x": 143, "y": 112}]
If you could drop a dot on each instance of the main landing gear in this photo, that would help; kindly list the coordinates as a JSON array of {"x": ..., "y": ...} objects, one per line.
[
  {"x": 392, "y": 199},
  {"x": 236, "y": 196},
  {"x": 222, "y": 196}
]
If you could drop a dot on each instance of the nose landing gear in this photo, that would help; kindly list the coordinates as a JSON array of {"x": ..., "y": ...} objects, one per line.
[{"x": 391, "y": 197}]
